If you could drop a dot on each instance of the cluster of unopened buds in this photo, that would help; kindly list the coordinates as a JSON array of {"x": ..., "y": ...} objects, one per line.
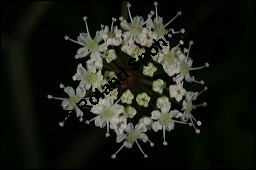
[{"x": 132, "y": 79}]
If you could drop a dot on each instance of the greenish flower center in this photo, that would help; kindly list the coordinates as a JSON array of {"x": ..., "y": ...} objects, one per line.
[
  {"x": 160, "y": 29},
  {"x": 189, "y": 106},
  {"x": 184, "y": 69},
  {"x": 92, "y": 46},
  {"x": 164, "y": 119},
  {"x": 111, "y": 35},
  {"x": 107, "y": 113},
  {"x": 169, "y": 57},
  {"x": 90, "y": 77},
  {"x": 132, "y": 136},
  {"x": 135, "y": 28},
  {"x": 74, "y": 99}
]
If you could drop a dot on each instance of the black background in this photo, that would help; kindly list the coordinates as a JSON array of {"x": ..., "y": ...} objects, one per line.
[{"x": 35, "y": 59}]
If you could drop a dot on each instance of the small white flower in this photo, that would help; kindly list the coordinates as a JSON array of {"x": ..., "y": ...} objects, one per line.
[
  {"x": 137, "y": 52},
  {"x": 134, "y": 28},
  {"x": 157, "y": 24},
  {"x": 143, "y": 99},
  {"x": 147, "y": 121},
  {"x": 146, "y": 37},
  {"x": 149, "y": 70},
  {"x": 128, "y": 97},
  {"x": 74, "y": 98},
  {"x": 177, "y": 91},
  {"x": 110, "y": 55},
  {"x": 161, "y": 102},
  {"x": 159, "y": 85},
  {"x": 118, "y": 123},
  {"x": 88, "y": 79},
  {"x": 131, "y": 136},
  {"x": 128, "y": 47},
  {"x": 164, "y": 119},
  {"x": 94, "y": 64},
  {"x": 112, "y": 36},
  {"x": 90, "y": 46},
  {"x": 106, "y": 111},
  {"x": 129, "y": 111}
]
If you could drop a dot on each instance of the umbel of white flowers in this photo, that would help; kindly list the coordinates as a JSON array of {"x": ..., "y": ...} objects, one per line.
[{"x": 130, "y": 66}]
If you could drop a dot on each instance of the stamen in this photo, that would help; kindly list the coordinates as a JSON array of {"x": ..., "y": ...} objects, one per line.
[
  {"x": 62, "y": 86},
  {"x": 197, "y": 131},
  {"x": 176, "y": 121},
  {"x": 67, "y": 38},
  {"x": 190, "y": 43},
  {"x": 113, "y": 20},
  {"x": 102, "y": 26},
  {"x": 107, "y": 134},
  {"x": 205, "y": 88},
  {"x": 57, "y": 98},
  {"x": 121, "y": 98},
  {"x": 164, "y": 143},
  {"x": 121, "y": 18},
  {"x": 85, "y": 18},
  {"x": 88, "y": 121},
  {"x": 49, "y": 96},
  {"x": 61, "y": 124},
  {"x": 128, "y": 7},
  {"x": 178, "y": 13},
  {"x": 151, "y": 143},
  {"x": 77, "y": 56},
  {"x": 197, "y": 68},
  {"x": 155, "y": 3},
  {"x": 114, "y": 155},
  {"x": 145, "y": 156}
]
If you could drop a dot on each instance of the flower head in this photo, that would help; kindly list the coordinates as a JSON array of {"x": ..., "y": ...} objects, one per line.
[{"x": 135, "y": 75}]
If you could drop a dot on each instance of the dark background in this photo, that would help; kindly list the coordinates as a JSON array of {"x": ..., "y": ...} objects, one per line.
[{"x": 35, "y": 59}]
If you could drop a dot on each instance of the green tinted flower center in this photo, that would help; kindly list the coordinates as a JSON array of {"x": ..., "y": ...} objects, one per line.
[
  {"x": 169, "y": 57},
  {"x": 74, "y": 99},
  {"x": 92, "y": 46},
  {"x": 189, "y": 106},
  {"x": 132, "y": 136},
  {"x": 90, "y": 77},
  {"x": 160, "y": 29},
  {"x": 107, "y": 113},
  {"x": 111, "y": 35},
  {"x": 184, "y": 69},
  {"x": 164, "y": 118},
  {"x": 135, "y": 28}
]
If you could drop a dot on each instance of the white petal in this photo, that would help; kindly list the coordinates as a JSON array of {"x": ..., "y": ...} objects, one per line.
[
  {"x": 143, "y": 137},
  {"x": 118, "y": 108},
  {"x": 128, "y": 144},
  {"x": 166, "y": 107},
  {"x": 66, "y": 105},
  {"x": 70, "y": 91},
  {"x": 79, "y": 113},
  {"x": 97, "y": 109},
  {"x": 80, "y": 91},
  {"x": 99, "y": 121},
  {"x": 141, "y": 127},
  {"x": 82, "y": 52},
  {"x": 125, "y": 25},
  {"x": 155, "y": 114},
  {"x": 129, "y": 128},
  {"x": 170, "y": 126},
  {"x": 156, "y": 126},
  {"x": 189, "y": 78},
  {"x": 150, "y": 23}
]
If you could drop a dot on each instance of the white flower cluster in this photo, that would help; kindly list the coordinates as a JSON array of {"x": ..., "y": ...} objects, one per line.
[{"x": 116, "y": 99}]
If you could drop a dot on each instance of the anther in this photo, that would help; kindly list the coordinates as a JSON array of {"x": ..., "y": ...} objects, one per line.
[{"x": 49, "y": 96}]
